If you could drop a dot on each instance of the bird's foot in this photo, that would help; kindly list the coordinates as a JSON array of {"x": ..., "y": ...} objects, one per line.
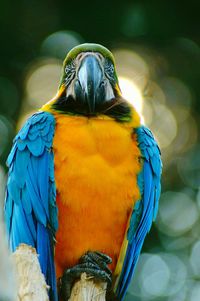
[{"x": 93, "y": 264}]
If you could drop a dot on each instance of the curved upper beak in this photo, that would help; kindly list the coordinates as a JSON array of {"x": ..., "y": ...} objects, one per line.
[{"x": 89, "y": 86}]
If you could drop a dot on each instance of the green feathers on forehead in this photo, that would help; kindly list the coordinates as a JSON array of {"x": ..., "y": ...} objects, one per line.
[{"x": 88, "y": 47}]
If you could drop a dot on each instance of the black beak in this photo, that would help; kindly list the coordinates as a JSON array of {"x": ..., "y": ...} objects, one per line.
[{"x": 89, "y": 86}]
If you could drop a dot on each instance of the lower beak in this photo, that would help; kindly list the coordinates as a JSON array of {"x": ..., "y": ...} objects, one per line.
[{"x": 89, "y": 86}]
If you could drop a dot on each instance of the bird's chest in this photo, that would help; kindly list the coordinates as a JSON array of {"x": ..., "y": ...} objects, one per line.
[
  {"x": 96, "y": 167},
  {"x": 96, "y": 161}
]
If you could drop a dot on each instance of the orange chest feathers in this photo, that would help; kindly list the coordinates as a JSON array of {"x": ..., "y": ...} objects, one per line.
[{"x": 96, "y": 167}]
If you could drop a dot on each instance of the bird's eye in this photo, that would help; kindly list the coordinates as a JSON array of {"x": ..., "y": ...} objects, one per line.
[
  {"x": 70, "y": 71},
  {"x": 109, "y": 69},
  {"x": 70, "y": 67}
]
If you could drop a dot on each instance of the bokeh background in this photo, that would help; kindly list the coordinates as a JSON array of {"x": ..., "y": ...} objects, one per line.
[{"x": 156, "y": 46}]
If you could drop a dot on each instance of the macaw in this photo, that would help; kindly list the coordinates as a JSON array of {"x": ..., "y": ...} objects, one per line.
[{"x": 84, "y": 177}]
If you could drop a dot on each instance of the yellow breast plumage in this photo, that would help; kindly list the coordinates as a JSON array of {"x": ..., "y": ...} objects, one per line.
[{"x": 96, "y": 167}]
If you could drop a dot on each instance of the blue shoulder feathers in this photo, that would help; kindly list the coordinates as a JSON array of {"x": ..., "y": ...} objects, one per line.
[
  {"x": 30, "y": 206},
  {"x": 145, "y": 209}
]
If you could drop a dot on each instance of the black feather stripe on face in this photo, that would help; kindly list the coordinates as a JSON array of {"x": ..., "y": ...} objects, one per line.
[{"x": 117, "y": 108}]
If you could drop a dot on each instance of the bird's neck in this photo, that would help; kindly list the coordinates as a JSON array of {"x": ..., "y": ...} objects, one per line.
[{"x": 119, "y": 109}]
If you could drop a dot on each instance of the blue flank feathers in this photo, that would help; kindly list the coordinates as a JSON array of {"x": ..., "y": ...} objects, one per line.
[
  {"x": 145, "y": 209},
  {"x": 30, "y": 206}
]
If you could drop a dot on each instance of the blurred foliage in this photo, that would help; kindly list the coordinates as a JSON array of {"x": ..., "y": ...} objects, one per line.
[{"x": 156, "y": 45}]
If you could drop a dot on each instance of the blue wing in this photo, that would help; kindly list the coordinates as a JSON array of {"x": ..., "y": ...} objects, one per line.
[
  {"x": 145, "y": 209},
  {"x": 30, "y": 205}
]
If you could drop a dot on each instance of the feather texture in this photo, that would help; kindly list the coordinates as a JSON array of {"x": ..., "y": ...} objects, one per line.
[
  {"x": 145, "y": 209},
  {"x": 30, "y": 206}
]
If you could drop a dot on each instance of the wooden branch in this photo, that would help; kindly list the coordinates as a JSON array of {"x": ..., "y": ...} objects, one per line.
[
  {"x": 32, "y": 285},
  {"x": 31, "y": 282},
  {"x": 88, "y": 289}
]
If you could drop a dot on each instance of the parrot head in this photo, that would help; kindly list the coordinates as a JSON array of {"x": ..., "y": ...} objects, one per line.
[{"x": 89, "y": 83}]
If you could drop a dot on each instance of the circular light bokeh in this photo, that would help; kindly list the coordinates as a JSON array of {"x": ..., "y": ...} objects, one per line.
[
  {"x": 131, "y": 93},
  {"x": 177, "y": 213},
  {"x": 158, "y": 275},
  {"x": 42, "y": 82},
  {"x": 59, "y": 43}
]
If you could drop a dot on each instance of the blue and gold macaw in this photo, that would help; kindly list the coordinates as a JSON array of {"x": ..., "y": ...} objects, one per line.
[{"x": 84, "y": 177}]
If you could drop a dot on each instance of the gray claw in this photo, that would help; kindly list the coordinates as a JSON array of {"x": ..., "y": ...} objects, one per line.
[{"x": 93, "y": 264}]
